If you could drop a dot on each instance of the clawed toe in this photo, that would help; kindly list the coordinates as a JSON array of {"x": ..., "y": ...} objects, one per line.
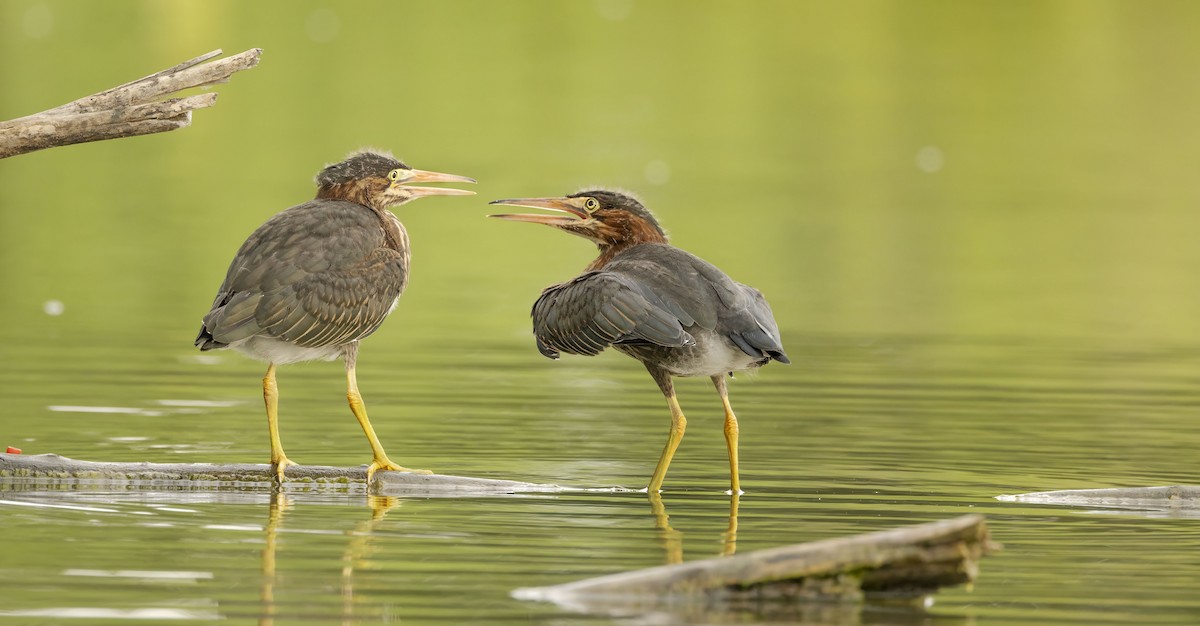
[
  {"x": 389, "y": 466},
  {"x": 278, "y": 468}
]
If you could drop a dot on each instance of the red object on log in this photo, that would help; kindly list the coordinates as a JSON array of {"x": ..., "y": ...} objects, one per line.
[{"x": 12, "y": 450}]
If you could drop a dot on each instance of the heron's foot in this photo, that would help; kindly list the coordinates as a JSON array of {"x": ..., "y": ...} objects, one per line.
[
  {"x": 388, "y": 465},
  {"x": 277, "y": 467}
]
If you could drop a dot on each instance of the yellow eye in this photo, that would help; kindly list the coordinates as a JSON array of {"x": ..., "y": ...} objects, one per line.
[
  {"x": 394, "y": 175},
  {"x": 591, "y": 205}
]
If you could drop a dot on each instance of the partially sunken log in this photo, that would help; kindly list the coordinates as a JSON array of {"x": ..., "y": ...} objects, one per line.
[
  {"x": 61, "y": 469},
  {"x": 1173, "y": 495},
  {"x": 906, "y": 562},
  {"x": 126, "y": 110}
]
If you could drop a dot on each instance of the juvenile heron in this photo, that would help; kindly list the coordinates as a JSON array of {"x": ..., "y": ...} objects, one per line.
[
  {"x": 316, "y": 279},
  {"x": 676, "y": 313}
]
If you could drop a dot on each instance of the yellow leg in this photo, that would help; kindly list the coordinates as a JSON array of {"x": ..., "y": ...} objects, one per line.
[
  {"x": 731, "y": 434},
  {"x": 379, "y": 459},
  {"x": 678, "y": 425},
  {"x": 279, "y": 460}
]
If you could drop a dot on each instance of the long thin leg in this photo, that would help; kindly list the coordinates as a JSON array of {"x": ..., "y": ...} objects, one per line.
[
  {"x": 379, "y": 458},
  {"x": 678, "y": 426},
  {"x": 731, "y": 434},
  {"x": 279, "y": 460}
]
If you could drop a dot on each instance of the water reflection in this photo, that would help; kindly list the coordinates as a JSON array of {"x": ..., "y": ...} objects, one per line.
[
  {"x": 278, "y": 506},
  {"x": 983, "y": 259},
  {"x": 729, "y": 537},
  {"x": 361, "y": 547},
  {"x": 360, "y": 550},
  {"x": 672, "y": 540}
]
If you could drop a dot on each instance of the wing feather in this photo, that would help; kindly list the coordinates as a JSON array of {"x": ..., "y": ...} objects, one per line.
[
  {"x": 653, "y": 294},
  {"x": 592, "y": 312},
  {"x": 316, "y": 275}
]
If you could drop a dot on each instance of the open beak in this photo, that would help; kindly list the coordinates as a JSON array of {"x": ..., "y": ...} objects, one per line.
[
  {"x": 571, "y": 206},
  {"x": 421, "y": 176}
]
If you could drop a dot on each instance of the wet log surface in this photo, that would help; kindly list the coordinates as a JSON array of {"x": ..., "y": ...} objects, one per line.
[
  {"x": 128, "y": 110},
  {"x": 1165, "y": 501},
  {"x": 63, "y": 470},
  {"x": 1183, "y": 495},
  {"x": 907, "y": 562}
]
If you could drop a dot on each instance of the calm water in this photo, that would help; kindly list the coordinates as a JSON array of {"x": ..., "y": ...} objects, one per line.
[{"x": 975, "y": 221}]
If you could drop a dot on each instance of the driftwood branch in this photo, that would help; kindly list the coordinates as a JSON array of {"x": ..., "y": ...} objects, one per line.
[
  {"x": 62, "y": 470},
  {"x": 126, "y": 110},
  {"x": 906, "y": 562},
  {"x": 1168, "y": 501}
]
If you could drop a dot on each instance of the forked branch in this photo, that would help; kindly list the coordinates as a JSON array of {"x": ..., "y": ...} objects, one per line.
[{"x": 128, "y": 110}]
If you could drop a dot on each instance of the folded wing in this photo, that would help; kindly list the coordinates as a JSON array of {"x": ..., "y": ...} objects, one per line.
[
  {"x": 595, "y": 310},
  {"x": 656, "y": 294},
  {"x": 326, "y": 279}
]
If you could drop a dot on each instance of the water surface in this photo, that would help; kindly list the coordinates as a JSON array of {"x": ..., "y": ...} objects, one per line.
[{"x": 975, "y": 223}]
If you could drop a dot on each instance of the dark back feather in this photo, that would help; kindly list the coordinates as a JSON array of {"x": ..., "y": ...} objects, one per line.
[
  {"x": 318, "y": 274},
  {"x": 653, "y": 293}
]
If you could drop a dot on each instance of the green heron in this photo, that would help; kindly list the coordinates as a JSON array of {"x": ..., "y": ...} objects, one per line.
[
  {"x": 316, "y": 279},
  {"x": 676, "y": 313}
]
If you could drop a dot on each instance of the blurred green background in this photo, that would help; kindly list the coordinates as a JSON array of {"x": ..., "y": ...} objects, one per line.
[
  {"x": 976, "y": 223},
  {"x": 912, "y": 167}
]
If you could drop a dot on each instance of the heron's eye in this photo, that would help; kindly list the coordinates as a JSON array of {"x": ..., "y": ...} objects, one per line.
[
  {"x": 591, "y": 205},
  {"x": 394, "y": 175}
]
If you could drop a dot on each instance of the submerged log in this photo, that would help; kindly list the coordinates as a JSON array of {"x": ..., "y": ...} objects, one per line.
[
  {"x": 63, "y": 470},
  {"x": 908, "y": 562},
  {"x": 126, "y": 110},
  {"x": 1173, "y": 495}
]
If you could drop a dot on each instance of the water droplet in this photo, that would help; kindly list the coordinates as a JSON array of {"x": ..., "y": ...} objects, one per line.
[
  {"x": 930, "y": 159},
  {"x": 323, "y": 25},
  {"x": 38, "y": 21},
  {"x": 657, "y": 172},
  {"x": 614, "y": 10}
]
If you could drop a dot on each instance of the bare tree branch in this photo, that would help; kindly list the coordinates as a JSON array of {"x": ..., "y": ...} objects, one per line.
[{"x": 126, "y": 110}]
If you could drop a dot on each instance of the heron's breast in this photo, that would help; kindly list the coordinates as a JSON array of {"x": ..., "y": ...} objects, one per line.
[{"x": 281, "y": 352}]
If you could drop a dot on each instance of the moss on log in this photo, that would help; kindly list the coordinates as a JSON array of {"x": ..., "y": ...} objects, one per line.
[
  {"x": 907, "y": 562},
  {"x": 62, "y": 470}
]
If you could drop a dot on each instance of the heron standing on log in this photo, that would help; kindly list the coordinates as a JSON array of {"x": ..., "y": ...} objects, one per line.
[{"x": 316, "y": 279}]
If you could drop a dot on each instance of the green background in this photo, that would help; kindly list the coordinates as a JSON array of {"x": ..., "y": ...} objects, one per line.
[{"x": 975, "y": 221}]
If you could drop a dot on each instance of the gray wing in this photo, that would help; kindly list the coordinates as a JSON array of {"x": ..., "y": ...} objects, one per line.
[
  {"x": 595, "y": 310},
  {"x": 699, "y": 293},
  {"x": 750, "y": 325},
  {"x": 315, "y": 275},
  {"x": 717, "y": 301},
  {"x": 653, "y": 293}
]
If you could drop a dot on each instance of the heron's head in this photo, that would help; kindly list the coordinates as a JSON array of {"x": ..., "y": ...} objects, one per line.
[
  {"x": 608, "y": 218},
  {"x": 379, "y": 180}
]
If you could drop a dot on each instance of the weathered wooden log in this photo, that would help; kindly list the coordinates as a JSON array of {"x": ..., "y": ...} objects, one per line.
[
  {"x": 63, "y": 470},
  {"x": 1173, "y": 495},
  {"x": 126, "y": 110},
  {"x": 908, "y": 562}
]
